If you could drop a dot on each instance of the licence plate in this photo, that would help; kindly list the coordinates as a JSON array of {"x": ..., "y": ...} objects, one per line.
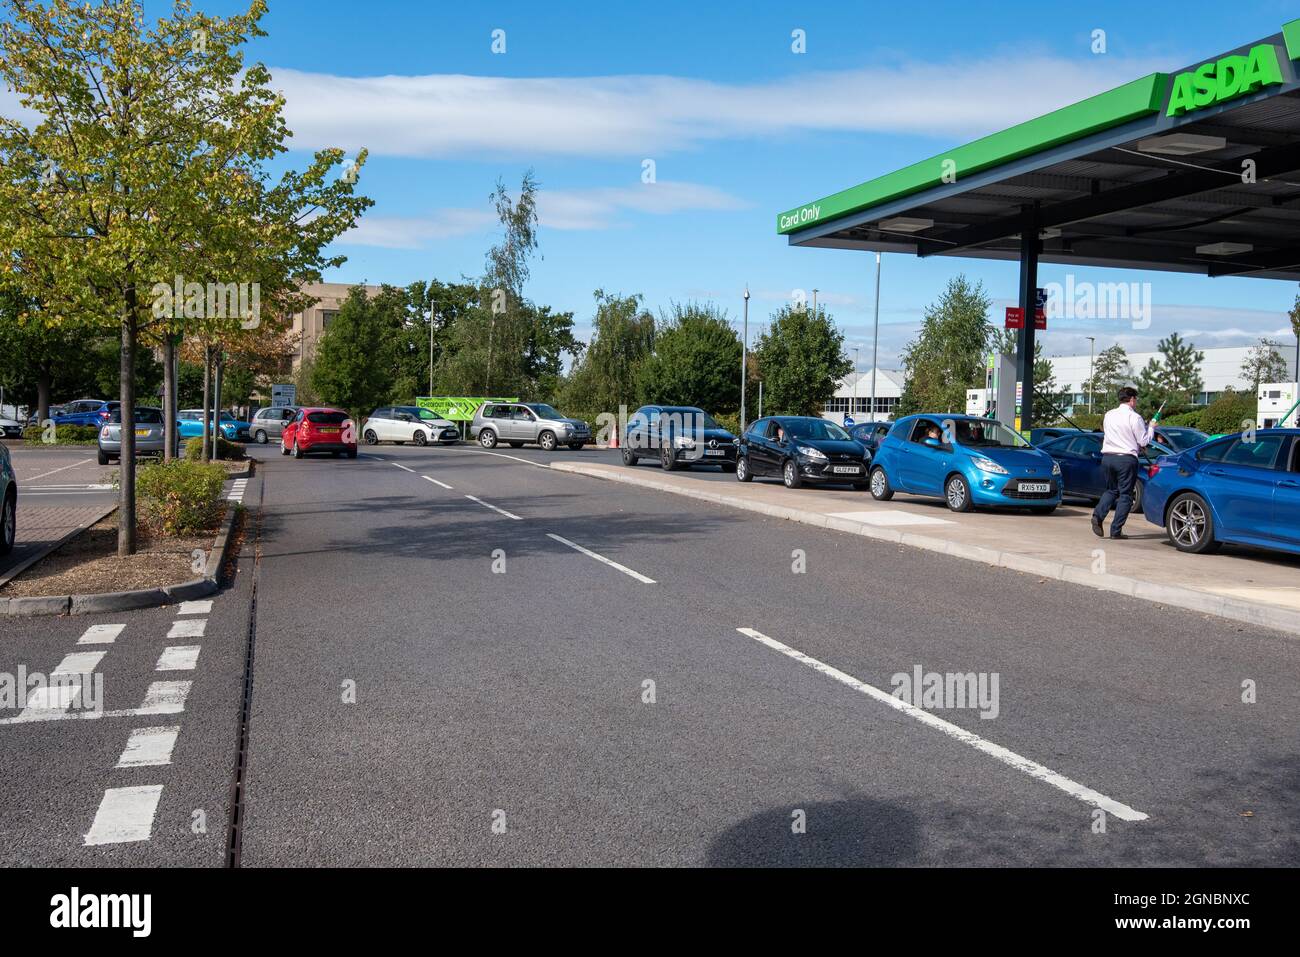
[
  {"x": 141, "y": 432},
  {"x": 846, "y": 470},
  {"x": 1034, "y": 487},
  {"x": 715, "y": 451},
  {"x": 329, "y": 431}
]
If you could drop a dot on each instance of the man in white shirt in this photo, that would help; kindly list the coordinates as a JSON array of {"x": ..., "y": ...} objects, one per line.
[{"x": 1126, "y": 435}]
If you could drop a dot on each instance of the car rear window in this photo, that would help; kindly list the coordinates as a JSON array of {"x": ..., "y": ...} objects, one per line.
[
  {"x": 327, "y": 418},
  {"x": 142, "y": 416}
]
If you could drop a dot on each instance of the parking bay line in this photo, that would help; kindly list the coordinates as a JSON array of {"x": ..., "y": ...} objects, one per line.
[
  {"x": 435, "y": 481},
  {"x": 517, "y": 518},
  {"x": 1032, "y": 768},
  {"x": 125, "y": 815},
  {"x": 400, "y": 466},
  {"x": 601, "y": 558}
]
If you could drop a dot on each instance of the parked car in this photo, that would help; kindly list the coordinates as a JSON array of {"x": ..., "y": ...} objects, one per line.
[
  {"x": 55, "y": 412},
  {"x": 150, "y": 436},
  {"x": 801, "y": 449},
  {"x": 679, "y": 436},
  {"x": 869, "y": 434},
  {"x": 319, "y": 430},
  {"x": 1179, "y": 438},
  {"x": 10, "y": 428},
  {"x": 1240, "y": 489},
  {"x": 967, "y": 461},
  {"x": 8, "y": 502},
  {"x": 83, "y": 412},
  {"x": 408, "y": 423},
  {"x": 1039, "y": 437},
  {"x": 1079, "y": 456},
  {"x": 269, "y": 423},
  {"x": 232, "y": 429},
  {"x": 519, "y": 422}
]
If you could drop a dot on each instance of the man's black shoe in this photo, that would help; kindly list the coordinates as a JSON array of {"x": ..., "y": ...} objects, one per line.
[
  {"x": 1096, "y": 527},
  {"x": 1118, "y": 535}
]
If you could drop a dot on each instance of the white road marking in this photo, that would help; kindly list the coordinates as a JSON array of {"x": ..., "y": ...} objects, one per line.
[
  {"x": 891, "y": 517},
  {"x": 69, "y": 488},
  {"x": 495, "y": 509},
  {"x": 163, "y": 697},
  {"x": 195, "y": 607},
  {"x": 435, "y": 481},
  {"x": 1032, "y": 768},
  {"x": 601, "y": 558},
  {"x": 401, "y": 466},
  {"x": 149, "y": 747},
  {"x": 100, "y": 635},
  {"x": 178, "y": 658},
  {"x": 502, "y": 455},
  {"x": 27, "y": 481},
  {"x": 79, "y": 663},
  {"x": 189, "y": 628},
  {"x": 125, "y": 815}
]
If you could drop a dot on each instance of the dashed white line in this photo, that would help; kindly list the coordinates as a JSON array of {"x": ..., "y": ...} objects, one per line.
[
  {"x": 601, "y": 558},
  {"x": 435, "y": 481},
  {"x": 495, "y": 509},
  {"x": 502, "y": 455},
  {"x": 100, "y": 635},
  {"x": 163, "y": 697},
  {"x": 149, "y": 747},
  {"x": 188, "y": 628},
  {"x": 401, "y": 466},
  {"x": 195, "y": 607},
  {"x": 178, "y": 658},
  {"x": 125, "y": 815},
  {"x": 1032, "y": 768}
]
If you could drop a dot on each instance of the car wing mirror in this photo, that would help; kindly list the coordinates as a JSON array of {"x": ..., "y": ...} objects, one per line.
[
  {"x": 1095, "y": 456},
  {"x": 934, "y": 443}
]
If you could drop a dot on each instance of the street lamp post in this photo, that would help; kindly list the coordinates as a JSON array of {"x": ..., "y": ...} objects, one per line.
[
  {"x": 875, "y": 341},
  {"x": 1092, "y": 345},
  {"x": 744, "y": 350}
]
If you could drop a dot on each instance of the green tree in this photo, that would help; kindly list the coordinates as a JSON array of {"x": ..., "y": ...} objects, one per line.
[
  {"x": 354, "y": 358},
  {"x": 1110, "y": 370},
  {"x": 948, "y": 356},
  {"x": 1181, "y": 368},
  {"x": 606, "y": 375},
  {"x": 801, "y": 359},
  {"x": 1263, "y": 364},
  {"x": 696, "y": 361}
]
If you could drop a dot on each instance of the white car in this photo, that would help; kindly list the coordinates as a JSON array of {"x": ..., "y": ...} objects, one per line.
[
  {"x": 10, "y": 428},
  {"x": 408, "y": 423}
]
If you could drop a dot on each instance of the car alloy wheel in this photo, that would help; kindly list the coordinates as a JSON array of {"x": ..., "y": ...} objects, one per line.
[
  {"x": 629, "y": 457},
  {"x": 547, "y": 441},
  {"x": 666, "y": 460},
  {"x": 790, "y": 474},
  {"x": 297, "y": 452},
  {"x": 420, "y": 438},
  {"x": 880, "y": 489},
  {"x": 284, "y": 449},
  {"x": 8, "y": 526},
  {"x": 370, "y": 437},
  {"x": 957, "y": 494},
  {"x": 742, "y": 470},
  {"x": 1190, "y": 526},
  {"x": 488, "y": 439},
  {"x": 260, "y": 436}
]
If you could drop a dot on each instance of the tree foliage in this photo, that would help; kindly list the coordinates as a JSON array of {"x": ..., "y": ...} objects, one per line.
[
  {"x": 696, "y": 361},
  {"x": 801, "y": 359},
  {"x": 606, "y": 375},
  {"x": 948, "y": 356}
]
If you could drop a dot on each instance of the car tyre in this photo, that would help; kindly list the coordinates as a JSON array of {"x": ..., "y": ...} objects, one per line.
[
  {"x": 790, "y": 474},
  {"x": 370, "y": 437},
  {"x": 488, "y": 439},
  {"x": 260, "y": 435},
  {"x": 284, "y": 449},
  {"x": 102, "y": 458},
  {"x": 667, "y": 461},
  {"x": 547, "y": 441},
  {"x": 1189, "y": 524},
  {"x": 420, "y": 439},
  {"x": 629, "y": 457},
  {"x": 743, "y": 473},
  {"x": 297, "y": 452},
  {"x": 957, "y": 493},
  {"x": 879, "y": 483},
  {"x": 8, "y": 524},
  {"x": 1137, "y": 499}
]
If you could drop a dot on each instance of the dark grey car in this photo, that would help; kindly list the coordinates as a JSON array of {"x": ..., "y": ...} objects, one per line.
[{"x": 149, "y": 434}]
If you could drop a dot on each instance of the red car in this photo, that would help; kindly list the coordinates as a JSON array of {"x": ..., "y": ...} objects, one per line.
[{"x": 319, "y": 430}]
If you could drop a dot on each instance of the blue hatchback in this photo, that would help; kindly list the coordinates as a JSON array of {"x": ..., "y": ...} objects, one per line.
[
  {"x": 967, "y": 461},
  {"x": 1243, "y": 489}
]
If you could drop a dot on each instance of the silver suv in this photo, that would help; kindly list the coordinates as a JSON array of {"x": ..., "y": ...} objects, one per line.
[
  {"x": 519, "y": 422},
  {"x": 269, "y": 423}
]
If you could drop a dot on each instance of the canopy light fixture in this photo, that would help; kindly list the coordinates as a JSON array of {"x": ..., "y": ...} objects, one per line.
[
  {"x": 1181, "y": 144},
  {"x": 1223, "y": 249},
  {"x": 905, "y": 224}
]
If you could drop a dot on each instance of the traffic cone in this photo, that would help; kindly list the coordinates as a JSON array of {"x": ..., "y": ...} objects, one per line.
[{"x": 613, "y": 437}]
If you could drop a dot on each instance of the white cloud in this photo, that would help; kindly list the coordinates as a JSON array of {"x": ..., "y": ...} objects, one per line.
[
  {"x": 453, "y": 114},
  {"x": 399, "y": 232}
]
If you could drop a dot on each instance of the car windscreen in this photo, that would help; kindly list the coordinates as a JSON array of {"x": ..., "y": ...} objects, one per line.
[
  {"x": 1181, "y": 439},
  {"x": 327, "y": 418},
  {"x": 986, "y": 434},
  {"x": 142, "y": 416},
  {"x": 815, "y": 429},
  {"x": 544, "y": 411},
  {"x": 428, "y": 415}
]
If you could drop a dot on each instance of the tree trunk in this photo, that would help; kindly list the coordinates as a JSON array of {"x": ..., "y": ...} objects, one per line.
[
  {"x": 43, "y": 384},
  {"x": 207, "y": 397},
  {"x": 169, "y": 397},
  {"x": 126, "y": 506},
  {"x": 217, "y": 375}
]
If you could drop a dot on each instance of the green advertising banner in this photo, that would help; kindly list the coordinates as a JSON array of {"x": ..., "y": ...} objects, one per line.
[{"x": 456, "y": 408}]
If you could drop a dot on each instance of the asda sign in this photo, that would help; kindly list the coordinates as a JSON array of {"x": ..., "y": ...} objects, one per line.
[{"x": 1224, "y": 79}]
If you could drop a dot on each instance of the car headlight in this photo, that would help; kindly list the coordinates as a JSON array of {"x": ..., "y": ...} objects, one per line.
[
  {"x": 1056, "y": 468},
  {"x": 809, "y": 452},
  {"x": 683, "y": 442},
  {"x": 985, "y": 464}
]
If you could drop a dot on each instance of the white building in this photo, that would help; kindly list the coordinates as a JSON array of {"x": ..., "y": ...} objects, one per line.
[{"x": 853, "y": 394}]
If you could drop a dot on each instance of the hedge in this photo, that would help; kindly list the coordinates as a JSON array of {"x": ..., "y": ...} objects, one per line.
[
  {"x": 225, "y": 450},
  {"x": 180, "y": 497},
  {"x": 1228, "y": 412},
  {"x": 63, "y": 435}
]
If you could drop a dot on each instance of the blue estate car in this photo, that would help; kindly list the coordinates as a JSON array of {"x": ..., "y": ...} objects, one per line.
[
  {"x": 1232, "y": 490},
  {"x": 967, "y": 461},
  {"x": 1079, "y": 456}
]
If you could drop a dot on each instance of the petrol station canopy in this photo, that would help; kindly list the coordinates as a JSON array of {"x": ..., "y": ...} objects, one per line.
[{"x": 1194, "y": 171}]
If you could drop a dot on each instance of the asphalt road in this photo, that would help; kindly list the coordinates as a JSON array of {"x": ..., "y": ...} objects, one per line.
[{"x": 412, "y": 705}]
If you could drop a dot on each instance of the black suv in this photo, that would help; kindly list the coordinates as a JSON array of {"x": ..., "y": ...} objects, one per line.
[
  {"x": 801, "y": 449},
  {"x": 679, "y": 436}
]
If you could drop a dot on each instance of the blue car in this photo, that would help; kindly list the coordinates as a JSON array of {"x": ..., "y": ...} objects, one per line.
[
  {"x": 84, "y": 412},
  {"x": 869, "y": 434},
  {"x": 967, "y": 461},
  {"x": 1079, "y": 456},
  {"x": 1240, "y": 489},
  {"x": 190, "y": 422}
]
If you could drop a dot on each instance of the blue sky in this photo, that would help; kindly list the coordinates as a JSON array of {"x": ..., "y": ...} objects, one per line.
[{"x": 739, "y": 127}]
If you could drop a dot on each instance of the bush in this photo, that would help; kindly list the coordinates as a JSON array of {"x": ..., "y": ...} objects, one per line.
[
  {"x": 180, "y": 497},
  {"x": 63, "y": 435},
  {"x": 1227, "y": 412},
  {"x": 225, "y": 450},
  {"x": 1191, "y": 420}
]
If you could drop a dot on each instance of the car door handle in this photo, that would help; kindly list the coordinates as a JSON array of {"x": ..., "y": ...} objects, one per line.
[
  {"x": 1216, "y": 472},
  {"x": 1288, "y": 484}
]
